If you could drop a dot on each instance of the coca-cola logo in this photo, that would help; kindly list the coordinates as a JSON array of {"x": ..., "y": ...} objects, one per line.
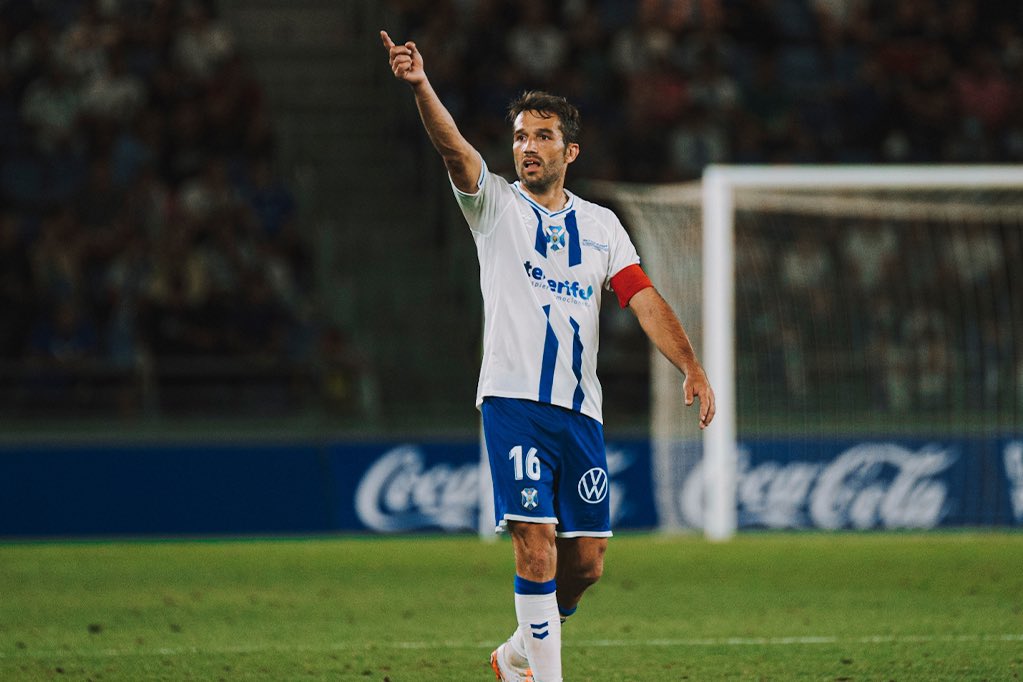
[
  {"x": 870, "y": 485},
  {"x": 883, "y": 485},
  {"x": 399, "y": 493}
]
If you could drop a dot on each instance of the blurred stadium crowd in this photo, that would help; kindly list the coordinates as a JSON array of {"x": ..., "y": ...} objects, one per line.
[
  {"x": 142, "y": 225},
  {"x": 668, "y": 86},
  {"x": 919, "y": 315},
  {"x": 148, "y": 242}
]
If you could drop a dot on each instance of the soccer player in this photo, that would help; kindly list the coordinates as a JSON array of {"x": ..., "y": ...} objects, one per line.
[{"x": 545, "y": 256}]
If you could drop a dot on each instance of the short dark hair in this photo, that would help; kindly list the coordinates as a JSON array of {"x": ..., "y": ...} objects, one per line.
[{"x": 547, "y": 105}]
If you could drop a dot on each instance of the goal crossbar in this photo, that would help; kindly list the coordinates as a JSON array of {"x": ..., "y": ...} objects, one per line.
[
  {"x": 866, "y": 177},
  {"x": 719, "y": 344}
]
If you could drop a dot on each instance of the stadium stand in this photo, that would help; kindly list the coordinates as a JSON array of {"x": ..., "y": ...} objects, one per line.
[
  {"x": 152, "y": 254},
  {"x": 151, "y": 259},
  {"x": 668, "y": 86}
]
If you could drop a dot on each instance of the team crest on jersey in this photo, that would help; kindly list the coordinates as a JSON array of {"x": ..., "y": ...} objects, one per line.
[
  {"x": 556, "y": 235},
  {"x": 555, "y": 238},
  {"x": 529, "y": 498}
]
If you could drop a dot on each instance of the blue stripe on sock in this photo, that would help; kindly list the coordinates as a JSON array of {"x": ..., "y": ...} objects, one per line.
[
  {"x": 523, "y": 586},
  {"x": 565, "y": 613}
]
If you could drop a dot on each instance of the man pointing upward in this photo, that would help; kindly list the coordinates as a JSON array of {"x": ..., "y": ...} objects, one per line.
[{"x": 546, "y": 255}]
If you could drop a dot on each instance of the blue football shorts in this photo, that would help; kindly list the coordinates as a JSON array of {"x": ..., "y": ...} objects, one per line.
[{"x": 548, "y": 465}]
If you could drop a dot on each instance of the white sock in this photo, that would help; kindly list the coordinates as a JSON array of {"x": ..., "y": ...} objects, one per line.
[
  {"x": 517, "y": 649},
  {"x": 536, "y": 607}
]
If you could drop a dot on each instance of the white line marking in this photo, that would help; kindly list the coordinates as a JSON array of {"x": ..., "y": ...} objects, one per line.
[{"x": 459, "y": 644}]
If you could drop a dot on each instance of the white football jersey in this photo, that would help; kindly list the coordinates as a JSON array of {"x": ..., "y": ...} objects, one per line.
[{"x": 541, "y": 275}]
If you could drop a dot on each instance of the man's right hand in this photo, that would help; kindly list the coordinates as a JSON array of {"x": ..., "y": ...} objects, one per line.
[
  {"x": 406, "y": 61},
  {"x": 462, "y": 161}
]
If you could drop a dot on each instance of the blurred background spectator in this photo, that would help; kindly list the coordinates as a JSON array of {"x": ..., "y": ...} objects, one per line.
[
  {"x": 150, "y": 241},
  {"x": 142, "y": 224},
  {"x": 670, "y": 85}
]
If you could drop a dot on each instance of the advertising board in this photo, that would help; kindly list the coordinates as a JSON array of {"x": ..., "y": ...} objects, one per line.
[{"x": 404, "y": 487}]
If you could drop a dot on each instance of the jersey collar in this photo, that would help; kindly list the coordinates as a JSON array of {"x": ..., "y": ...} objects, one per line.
[{"x": 568, "y": 205}]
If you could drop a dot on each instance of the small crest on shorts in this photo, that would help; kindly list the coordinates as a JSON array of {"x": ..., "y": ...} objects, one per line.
[{"x": 529, "y": 498}]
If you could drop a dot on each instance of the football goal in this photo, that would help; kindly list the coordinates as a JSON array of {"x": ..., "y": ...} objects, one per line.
[{"x": 828, "y": 302}]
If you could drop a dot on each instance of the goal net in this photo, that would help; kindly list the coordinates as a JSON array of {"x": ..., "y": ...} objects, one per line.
[{"x": 829, "y": 303}]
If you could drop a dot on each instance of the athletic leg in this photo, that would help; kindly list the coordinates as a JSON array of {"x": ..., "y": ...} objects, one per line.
[
  {"x": 580, "y": 565},
  {"x": 523, "y": 467},
  {"x": 536, "y": 553},
  {"x": 584, "y": 512},
  {"x": 536, "y": 604}
]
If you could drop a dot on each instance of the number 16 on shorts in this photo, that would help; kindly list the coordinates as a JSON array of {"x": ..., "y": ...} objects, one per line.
[
  {"x": 526, "y": 467},
  {"x": 529, "y": 467}
]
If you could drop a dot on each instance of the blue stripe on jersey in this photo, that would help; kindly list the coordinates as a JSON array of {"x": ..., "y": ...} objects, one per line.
[
  {"x": 550, "y": 357},
  {"x": 541, "y": 238},
  {"x": 575, "y": 249},
  {"x": 577, "y": 366}
]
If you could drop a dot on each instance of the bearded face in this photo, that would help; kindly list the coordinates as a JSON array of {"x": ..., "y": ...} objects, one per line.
[{"x": 540, "y": 153}]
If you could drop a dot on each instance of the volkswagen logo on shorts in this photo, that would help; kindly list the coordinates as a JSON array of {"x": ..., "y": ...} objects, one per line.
[
  {"x": 593, "y": 485},
  {"x": 529, "y": 498}
]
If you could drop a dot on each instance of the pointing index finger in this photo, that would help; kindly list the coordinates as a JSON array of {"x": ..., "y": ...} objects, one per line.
[{"x": 388, "y": 43}]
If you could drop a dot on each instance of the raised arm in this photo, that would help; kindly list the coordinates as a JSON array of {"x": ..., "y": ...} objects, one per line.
[
  {"x": 462, "y": 161},
  {"x": 663, "y": 328}
]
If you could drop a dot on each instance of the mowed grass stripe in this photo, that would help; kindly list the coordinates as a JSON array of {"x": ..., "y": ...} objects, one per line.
[
  {"x": 783, "y": 606},
  {"x": 600, "y": 643}
]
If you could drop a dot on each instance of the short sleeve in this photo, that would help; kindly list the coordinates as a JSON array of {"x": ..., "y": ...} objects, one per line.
[
  {"x": 480, "y": 207},
  {"x": 622, "y": 253}
]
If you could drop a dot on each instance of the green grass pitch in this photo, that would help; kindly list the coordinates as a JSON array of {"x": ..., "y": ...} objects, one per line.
[{"x": 939, "y": 606}]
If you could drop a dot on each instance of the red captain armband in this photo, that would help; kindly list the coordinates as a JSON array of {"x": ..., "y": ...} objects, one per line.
[{"x": 628, "y": 282}]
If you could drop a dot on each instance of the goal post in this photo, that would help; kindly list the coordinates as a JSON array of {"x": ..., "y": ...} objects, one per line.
[
  {"x": 687, "y": 238},
  {"x": 720, "y": 184},
  {"x": 720, "y": 447}
]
